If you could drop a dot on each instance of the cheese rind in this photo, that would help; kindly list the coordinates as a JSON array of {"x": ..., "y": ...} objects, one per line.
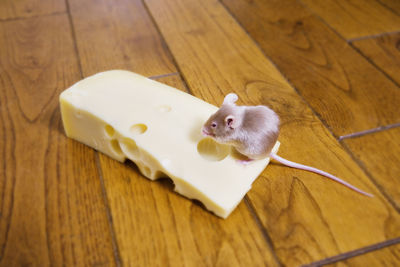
[{"x": 125, "y": 115}]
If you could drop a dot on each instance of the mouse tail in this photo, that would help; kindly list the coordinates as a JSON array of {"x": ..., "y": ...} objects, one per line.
[{"x": 315, "y": 170}]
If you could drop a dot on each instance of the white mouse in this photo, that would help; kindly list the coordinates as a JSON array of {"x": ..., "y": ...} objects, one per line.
[{"x": 253, "y": 131}]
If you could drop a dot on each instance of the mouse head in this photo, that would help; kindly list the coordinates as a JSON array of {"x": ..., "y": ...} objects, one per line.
[{"x": 222, "y": 125}]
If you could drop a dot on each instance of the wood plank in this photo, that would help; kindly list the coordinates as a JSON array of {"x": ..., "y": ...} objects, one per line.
[
  {"x": 354, "y": 19},
  {"x": 388, "y": 256},
  {"x": 347, "y": 92},
  {"x": 394, "y": 5},
  {"x": 384, "y": 51},
  {"x": 307, "y": 217},
  {"x": 118, "y": 35},
  {"x": 156, "y": 227},
  {"x": 51, "y": 205},
  {"x": 379, "y": 153},
  {"x": 10, "y": 9}
]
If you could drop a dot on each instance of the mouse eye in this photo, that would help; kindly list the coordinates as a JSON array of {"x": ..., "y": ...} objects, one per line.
[{"x": 213, "y": 125}]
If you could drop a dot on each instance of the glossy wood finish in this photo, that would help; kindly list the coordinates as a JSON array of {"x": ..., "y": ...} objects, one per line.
[
  {"x": 118, "y": 35},
  {"x": 52, "y": 208},
  {"x": 10, "y": 9},
  {"x": 347, "y": 92},
  {"x": 384, "y": 52},
  {"x": 62, "y": 203},
  {"x": 379, "y": 154},
  {"x": 353, "y": 19},
  {"x": 259, "y": 82},
  {"x": 386, "y": 256}
]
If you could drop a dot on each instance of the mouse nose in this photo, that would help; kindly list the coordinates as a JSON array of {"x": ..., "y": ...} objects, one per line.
[{"x": 204, "y": 132}]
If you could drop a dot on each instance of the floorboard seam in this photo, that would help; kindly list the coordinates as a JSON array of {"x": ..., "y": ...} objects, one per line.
[
  {"x": 374, "y": 65},
  {"x": 321, "y": 119},
  {"x": 114, "y": 243},
  {"x": 370, "y": 176},
  {"x": 35, "y": 16},
  {"x": 317, "y": 16},
  {"x": 349, "y": 41},
  {"x": 369, "y": 131},
  {"x": 262, "y": 229},
  {"x": 354, "y": 253},
  {"x": 247, "y": 201},
  {"x": 394, "y": 11},
  {"x": 372, "y": 36},
  {"x": 380, "y": 128},
  {"x": 185, "y": 83},
  {"x": 163, "y": 75},
  {"x": 73, "y": 34},
  {"x": 358, "y": 162},
  {"x": 174, "y": 62}
]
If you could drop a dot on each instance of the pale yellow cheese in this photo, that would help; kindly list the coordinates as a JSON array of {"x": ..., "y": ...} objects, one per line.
[{"x": 125, "y": 115}]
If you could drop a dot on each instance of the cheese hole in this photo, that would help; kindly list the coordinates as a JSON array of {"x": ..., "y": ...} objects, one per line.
[
  {"x": 164, "y": 108},
  {"x": 115, "y": 146},
  {"x": 137, "y": 129},
  {"x": 199, "y": 203},
  {"x": 160, "y": 175},
  {"x": 211, "y": 150},
  {"x": 130, "y": 148},
  {"x": 166, "y": 182},
  {"x": 110, "y": 130}
]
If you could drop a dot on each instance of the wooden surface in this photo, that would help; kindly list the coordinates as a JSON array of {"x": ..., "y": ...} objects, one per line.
[
  {"x": 131, "y": 42},
  {"x": 372, "y": 150},
  {"x": 354, "y": 19},
  {"x": 384, "y": 52},
  {"x": 347, "y": 92},
  {"x": 62, "y": 203},
  {"x": 388, "y": 256},
  {"x": 10, "y": 9},
  {"x": 52, "y": 207}
]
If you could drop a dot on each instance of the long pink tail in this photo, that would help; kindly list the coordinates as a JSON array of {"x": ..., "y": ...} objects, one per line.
[{"x": 315, "y": 170}]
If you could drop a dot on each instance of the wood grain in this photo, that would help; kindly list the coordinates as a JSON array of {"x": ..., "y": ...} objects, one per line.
[
  {"x": 156, "y": 227},
  {"x": 306, "y": 217},
  {"x": 118, "y": 35},
  {"x": 51, "y": 207},
  {"x": 384, "y": 51},
  {"x": 393, "y": 5},
  {"x": 55, "y": 193},
  {"x": 353, "y": 19},
  {"x": 389, "y": 256},
  {"x": 379, "y": 153},
  {"x": 10, "y": 9},
  {"x": 347, "y": 92}
]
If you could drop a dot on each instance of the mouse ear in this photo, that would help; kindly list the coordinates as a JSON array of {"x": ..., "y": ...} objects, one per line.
[
  {"x": 230, "y": 99},
  {"x": 230, "y": 121}
]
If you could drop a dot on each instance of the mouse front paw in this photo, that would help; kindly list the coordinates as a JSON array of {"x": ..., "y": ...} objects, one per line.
[{"x": 245, "y": 162}]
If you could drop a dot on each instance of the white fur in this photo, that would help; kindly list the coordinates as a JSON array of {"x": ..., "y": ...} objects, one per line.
[{"x": 230, "y": 99}]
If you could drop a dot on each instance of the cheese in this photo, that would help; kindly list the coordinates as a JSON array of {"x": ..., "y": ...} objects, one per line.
[{"x": 127, "y": 116}]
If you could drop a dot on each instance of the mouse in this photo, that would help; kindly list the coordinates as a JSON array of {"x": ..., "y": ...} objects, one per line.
[{"x": 253, "y": 132}]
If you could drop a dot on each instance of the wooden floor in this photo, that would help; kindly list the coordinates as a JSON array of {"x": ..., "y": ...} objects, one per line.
[{"x": 331, "y": 70}]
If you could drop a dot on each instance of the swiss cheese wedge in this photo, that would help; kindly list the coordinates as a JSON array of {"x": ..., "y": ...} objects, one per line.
[{"x": 125, "y": 115}]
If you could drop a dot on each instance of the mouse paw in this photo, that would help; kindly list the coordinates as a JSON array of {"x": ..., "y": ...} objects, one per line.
[{"x": 245, "y": 161}]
